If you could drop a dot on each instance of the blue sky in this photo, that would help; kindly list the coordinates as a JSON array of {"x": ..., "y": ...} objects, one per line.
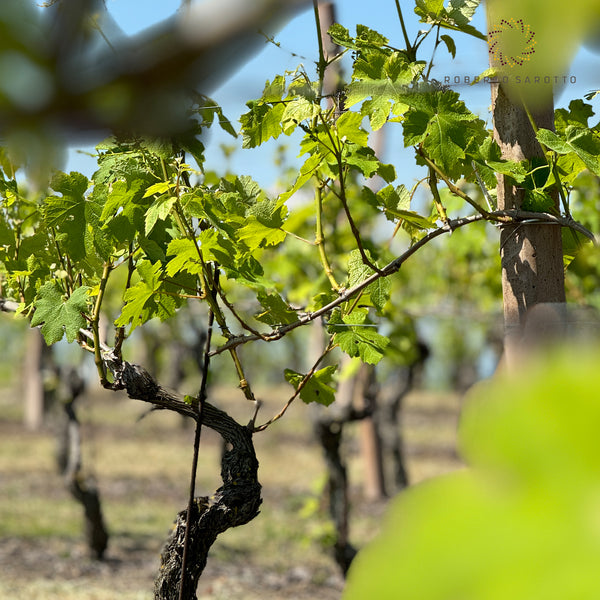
[{"x": 298, "y": 45}]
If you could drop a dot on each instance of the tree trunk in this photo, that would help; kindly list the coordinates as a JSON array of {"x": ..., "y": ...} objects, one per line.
[
  {"x": 33, "y": 384},
  {"x": 532, "y": 258}
]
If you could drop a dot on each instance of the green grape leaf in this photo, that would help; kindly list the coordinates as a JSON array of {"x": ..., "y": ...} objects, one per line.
[
  {"x": 395, "y": 203},
  {"x": 66, "y": 213},
  {"x": 257, "y": 235},
  {"x": 216, "y": 247},
  {"x": 72, "y": 187},
  {"x": 456, "y": 17},
  {"x": 270, "y": 213},
  {"x": 379, "y": 292},
  {"x": 356, "y": 337},
  {"x": 307, "y": 170},
  {"x": 276, "y": 310},
  {"x": 160, "y": 209},
  {"x": 162, "y": 187},
  {"x": 123, "y": 212},
  {"x": 569, "y": 167},
  {"x": 98, "y": 239},
  {"x": 363, "y": 159},
  {"x": 59, "y": 316},
  {"x": 341, "y": 36},
  {"x": 578, "y": 115},
  {"x": 449, "y": 44},
  {"x": 582, "y": 141},
  {"x": 415, "y": 127},
  {"x": 462, "y": 11},
  {"x": 192, "y": 146},
  {"x": 261, "y": 123},
  {"x": 297, "y": 110},
  {"x": 210, "y": 111},
  {"x": 145, "y": 299},
  {"x": 185, "y": 258},
  {"x": 387, "y": 172},
  {"x": 553, "y": 141},
  {"x": 511, "y": 168},
  {"x": 572, "y": 243},
  {"x": 537, "y": 201},
  {"x": 445, "y": 127},
  {"x": 348, "y": 126},
  {"x": 273, "y": 92},
  {"x": 369, "y": 38},
  {"x": 317, "y": 388},
  {"x": 358, "y": 271},
  {"x": 377, "y": 109},
  {"x": 429, "y": 9}
]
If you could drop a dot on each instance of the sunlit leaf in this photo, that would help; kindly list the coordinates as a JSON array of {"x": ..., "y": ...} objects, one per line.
[
  {"x": 317, "y": 388},
  {"x": 59, "y": 315}
]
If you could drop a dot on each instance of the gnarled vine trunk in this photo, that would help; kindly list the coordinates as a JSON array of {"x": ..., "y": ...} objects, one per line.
[
  {"x": 81, "y": 486},
  {"x": 235, "y": 503}
]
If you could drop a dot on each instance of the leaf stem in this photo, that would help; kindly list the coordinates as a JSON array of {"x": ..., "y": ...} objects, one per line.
[
  {"x": 551, "y": 164},
  {"x": 300, "y": 387},
  {"x": 435, "y": 47},
  {"x": 98, "y": 360},
  {"x": 436, "y": 195},
  {"x": 322, "y": 63},
  {"x": 120, "y": 331},
  {"x": 409, "y": 48},
  {"x": 454, "y": 189},
  {"x": 320, "y": 238}
]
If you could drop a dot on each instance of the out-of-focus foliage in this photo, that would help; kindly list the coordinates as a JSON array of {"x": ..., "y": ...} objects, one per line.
[
  {"x": 522, "y": 520},
  {"x": 522, "y": 38},
  {"x": 68, "y": 72}
]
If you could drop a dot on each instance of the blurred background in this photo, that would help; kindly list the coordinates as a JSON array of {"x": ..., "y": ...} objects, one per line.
[{"x": 448, "y": 338}]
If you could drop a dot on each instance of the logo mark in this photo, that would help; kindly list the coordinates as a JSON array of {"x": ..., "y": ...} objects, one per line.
[{"x": 511, "y": 43}]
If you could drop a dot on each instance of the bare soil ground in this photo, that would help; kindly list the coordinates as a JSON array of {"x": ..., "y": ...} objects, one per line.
[{"x": 142, "y": 469}]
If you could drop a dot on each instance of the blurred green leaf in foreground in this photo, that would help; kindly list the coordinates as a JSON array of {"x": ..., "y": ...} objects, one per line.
[{"x": 522, "y": 521}]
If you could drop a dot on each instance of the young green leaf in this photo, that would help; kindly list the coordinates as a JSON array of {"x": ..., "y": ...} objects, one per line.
[
  {"x": 276, "y": 310},
  {"x": 185, "y": 258},
  {"x": 449, "y": 44},
  {"x": 348, "y": 127},
  {"x": 257, "y": 235},
  {"x": 145, "y": 300},
  {"x": 446, "y": 128},
  {"x": 66, "y": 213},
  {"x": 537, "y": 201},
  {"x": 261, "y": 123},
  {"x": 357, "y": 337},
  {"x": 59, "y": 316},
  {"x": 317, "y": 388},
  {"x": 582, "y": 141},
  {"x": 160, "y": 209},
  {"x": 297, "y": 110},
  {"x": 578, "y": 115}
]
